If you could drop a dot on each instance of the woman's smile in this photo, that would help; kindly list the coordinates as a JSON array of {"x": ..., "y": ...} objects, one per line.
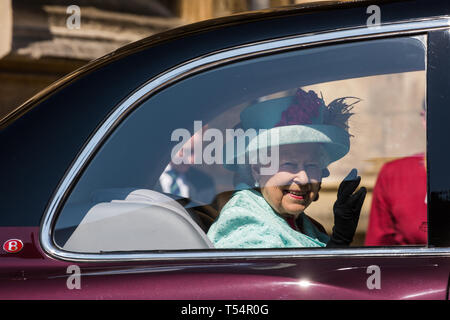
[{"x": 297, "y": 195}]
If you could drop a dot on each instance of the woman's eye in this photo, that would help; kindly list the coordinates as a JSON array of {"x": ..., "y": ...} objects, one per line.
[{"x": 288, "y": 166}]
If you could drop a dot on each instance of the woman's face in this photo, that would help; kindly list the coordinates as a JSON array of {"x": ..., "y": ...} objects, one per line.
[{"x": 297, "y": 183}]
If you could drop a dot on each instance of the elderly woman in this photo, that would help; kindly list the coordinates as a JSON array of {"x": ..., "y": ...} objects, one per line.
[{"x": 270, "y": 213}]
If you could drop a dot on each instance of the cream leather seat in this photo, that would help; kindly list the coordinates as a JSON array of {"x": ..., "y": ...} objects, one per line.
[{"x": 145, "y": 220}]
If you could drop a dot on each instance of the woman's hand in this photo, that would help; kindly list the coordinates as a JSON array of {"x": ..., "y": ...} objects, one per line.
[{"x": 347, "y": 209}]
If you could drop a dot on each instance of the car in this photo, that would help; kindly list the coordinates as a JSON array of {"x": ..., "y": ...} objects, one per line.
[{"x": 83, "y": 216}]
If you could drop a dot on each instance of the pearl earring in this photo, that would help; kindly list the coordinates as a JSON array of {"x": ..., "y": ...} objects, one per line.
[{"x": 256, "y": 184}]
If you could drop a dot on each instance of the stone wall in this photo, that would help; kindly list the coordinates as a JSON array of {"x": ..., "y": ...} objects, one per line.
[{"x": 37, "y": 47}]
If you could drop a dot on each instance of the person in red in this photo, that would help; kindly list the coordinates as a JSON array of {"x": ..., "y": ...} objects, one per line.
[{"x": 398, "y": 214}]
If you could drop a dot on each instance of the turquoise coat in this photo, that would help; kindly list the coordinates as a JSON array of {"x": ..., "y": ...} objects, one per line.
[{"x": 248, "y": 221}]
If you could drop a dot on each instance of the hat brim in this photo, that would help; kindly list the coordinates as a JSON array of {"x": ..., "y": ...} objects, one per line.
[{"x": 335, "y": 140}]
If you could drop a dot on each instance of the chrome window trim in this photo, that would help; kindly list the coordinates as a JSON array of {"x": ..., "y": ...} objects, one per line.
[{"x": 207, "y": 62}]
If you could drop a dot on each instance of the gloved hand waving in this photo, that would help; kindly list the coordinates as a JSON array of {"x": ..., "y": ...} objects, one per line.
[{"x": 347, "y": 209}]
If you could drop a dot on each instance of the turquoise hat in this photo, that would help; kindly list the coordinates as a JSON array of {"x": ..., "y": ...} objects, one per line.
[{"x": 302, "y": 118}]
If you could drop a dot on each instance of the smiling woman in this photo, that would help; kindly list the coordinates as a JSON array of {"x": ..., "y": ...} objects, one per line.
[
  {"x": 311, "y": 136},
  {"x": 297, "y": 183}
]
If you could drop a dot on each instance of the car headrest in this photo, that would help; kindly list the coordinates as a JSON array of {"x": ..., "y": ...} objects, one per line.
[{"x": 145, "y": 220}]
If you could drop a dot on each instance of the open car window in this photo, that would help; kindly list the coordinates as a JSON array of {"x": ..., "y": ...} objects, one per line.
[{"x": 251, "y": 155}]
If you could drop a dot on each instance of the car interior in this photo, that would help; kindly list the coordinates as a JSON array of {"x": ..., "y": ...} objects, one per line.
[{"x": 113, "y": 207}]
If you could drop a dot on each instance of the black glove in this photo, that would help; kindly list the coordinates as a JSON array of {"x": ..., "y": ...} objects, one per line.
[{"x": 347, "y": 209}]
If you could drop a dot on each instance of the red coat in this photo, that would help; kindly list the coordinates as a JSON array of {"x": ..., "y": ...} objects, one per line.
[{"x": 398, "y": 214}]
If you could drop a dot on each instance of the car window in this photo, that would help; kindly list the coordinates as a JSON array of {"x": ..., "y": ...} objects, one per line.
[{"x": 252, "y": 154}]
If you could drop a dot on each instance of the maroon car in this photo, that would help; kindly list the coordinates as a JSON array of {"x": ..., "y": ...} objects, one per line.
[{"x": 112, "y": 178}]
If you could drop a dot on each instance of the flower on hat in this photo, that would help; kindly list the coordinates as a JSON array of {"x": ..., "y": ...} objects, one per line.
[{"x": 307, "y": 106}]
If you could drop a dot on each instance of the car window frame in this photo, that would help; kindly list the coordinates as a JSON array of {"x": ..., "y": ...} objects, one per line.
[
  {"x": 437, "y": 188},
  {"x": 204, "y": 63}
]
